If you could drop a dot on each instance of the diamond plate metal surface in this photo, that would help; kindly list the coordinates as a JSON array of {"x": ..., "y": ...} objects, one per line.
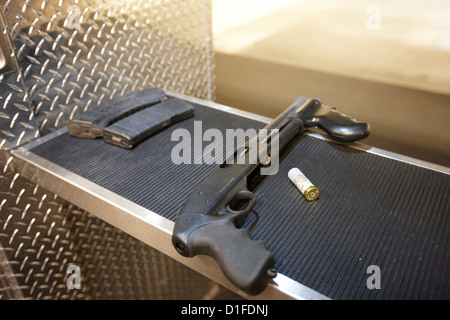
[
  {"x": 17, "y": 121},
  {"x": 72, "y": 55},
  {"x": 9, "y": 288},
  {"x": 42, "y": 235},
  {"x": 69, "y": 57}
]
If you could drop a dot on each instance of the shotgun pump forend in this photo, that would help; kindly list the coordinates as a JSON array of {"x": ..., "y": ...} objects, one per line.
[{"x": 209, "y": 223}]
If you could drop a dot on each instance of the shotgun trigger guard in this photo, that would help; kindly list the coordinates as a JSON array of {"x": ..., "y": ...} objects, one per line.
[{"x": 238, "y": 216}]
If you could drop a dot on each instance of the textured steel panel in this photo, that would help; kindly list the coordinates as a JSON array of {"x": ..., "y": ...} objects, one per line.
[
  {"x": 17, "y": 121},
  {"x": 372, "y": 210},
  {"x": 43, "y": 235},
  {"x": 9, "y": 288},
  {"x": 74, "y": 54},
  {"x": 71, "y": 56}
]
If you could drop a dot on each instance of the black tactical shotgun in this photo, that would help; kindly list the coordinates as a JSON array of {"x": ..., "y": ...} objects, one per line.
[{"x": 210, "y": 220}]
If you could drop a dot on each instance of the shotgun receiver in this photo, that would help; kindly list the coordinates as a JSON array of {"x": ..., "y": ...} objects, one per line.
[{"x": 211, "y": 219}]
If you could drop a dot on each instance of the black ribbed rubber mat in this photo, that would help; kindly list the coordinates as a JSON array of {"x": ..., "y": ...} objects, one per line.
[{"x": 372, "y": 211}]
